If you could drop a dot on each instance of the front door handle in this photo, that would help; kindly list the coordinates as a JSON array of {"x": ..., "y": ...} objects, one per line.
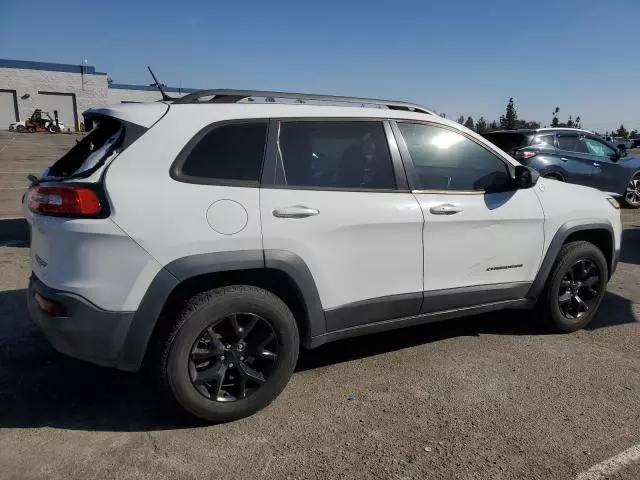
[
  {"x": 564, "y": 159},
  {"x": 445, "y": 209},
  {"x": 295, "y": 211},
  {"x": 597, "y": 165}
]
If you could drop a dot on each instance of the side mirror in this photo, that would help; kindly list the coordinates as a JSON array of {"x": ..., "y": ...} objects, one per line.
[{"x": 526, "y": 177}]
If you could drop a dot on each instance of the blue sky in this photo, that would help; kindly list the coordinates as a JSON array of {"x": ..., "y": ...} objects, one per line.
[{"x": 459, "y": 57}]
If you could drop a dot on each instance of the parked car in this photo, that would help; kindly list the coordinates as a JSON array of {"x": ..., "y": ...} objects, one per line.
[
  {"x": 620, "y": 143},
  {"x": 212, "y": 238},
  {"x": 636, "y": 143},
  {"x": 575, "y": 156}
]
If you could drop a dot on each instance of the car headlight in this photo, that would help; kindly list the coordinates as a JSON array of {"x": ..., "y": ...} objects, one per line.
[{"x": 614, "y": 203}]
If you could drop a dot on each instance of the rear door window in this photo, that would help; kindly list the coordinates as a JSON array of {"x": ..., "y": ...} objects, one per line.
[
  {"x": 231, "y": 153},
  {"x": 572, "y": 143},
  {"x": 107, "y": 138},
  {"x": 348, "y": 155}
]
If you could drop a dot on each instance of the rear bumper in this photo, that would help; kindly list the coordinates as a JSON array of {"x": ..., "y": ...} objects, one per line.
[{"x": 86, "y": 331}]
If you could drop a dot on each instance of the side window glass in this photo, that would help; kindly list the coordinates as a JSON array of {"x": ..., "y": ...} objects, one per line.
[
  {"x": 228, "y": 152},
  {"x": 596, "y": 147},
  {"x": 572, "y": 143},
  {"x": 446, "y": 160},
  {"x": 341, "y": 154},
  {"x": 544, "y": 140}
]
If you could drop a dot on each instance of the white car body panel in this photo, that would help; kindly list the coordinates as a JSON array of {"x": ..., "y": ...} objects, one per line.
[
  {"x": 362, "y": 245},
  {"x": 496, "y": 238},
  {"x": 91, "y": 258}
]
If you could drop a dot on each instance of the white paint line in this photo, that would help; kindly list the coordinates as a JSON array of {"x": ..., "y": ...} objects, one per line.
[{"x": 604, "y": 469}]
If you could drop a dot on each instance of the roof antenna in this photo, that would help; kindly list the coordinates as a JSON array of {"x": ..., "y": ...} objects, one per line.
[{"x": 165, "y": 97}]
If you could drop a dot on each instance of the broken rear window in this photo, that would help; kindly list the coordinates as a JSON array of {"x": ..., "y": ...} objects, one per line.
[{"x": 107, "y": 137}]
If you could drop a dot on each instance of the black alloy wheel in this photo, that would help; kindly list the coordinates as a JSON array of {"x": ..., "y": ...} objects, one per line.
[
  {"x": 232, "y": 358},
  {"x": 579, "y": 289}
]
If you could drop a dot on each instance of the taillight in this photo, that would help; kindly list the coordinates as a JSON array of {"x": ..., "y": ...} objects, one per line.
[
  {"x": 65, "y": 201},
  {"x": 525, "y": 154}
]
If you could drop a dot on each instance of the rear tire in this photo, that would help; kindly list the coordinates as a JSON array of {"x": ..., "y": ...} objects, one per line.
[
  {"x": 20, "y": 128},
  {"x": 575, "y": 287},
  {"x": 632, "y": 194},
  {"x": 31, "y": 130},
  {"x": 216, "y": 364}
]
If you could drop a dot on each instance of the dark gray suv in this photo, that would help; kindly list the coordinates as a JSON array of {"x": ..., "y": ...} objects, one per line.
[{"x": 575, "y": 156}]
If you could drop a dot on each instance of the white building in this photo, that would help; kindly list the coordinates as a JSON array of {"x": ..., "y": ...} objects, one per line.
[{"x": 68, "y": 89}]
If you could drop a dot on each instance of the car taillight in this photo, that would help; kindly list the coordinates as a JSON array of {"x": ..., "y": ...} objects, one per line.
[
  {"x": 65, "y": 201},
  {"x": 525, "y": 154}
]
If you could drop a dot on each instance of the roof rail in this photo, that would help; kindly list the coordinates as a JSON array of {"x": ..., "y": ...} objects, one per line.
[{"x": 233, "y": 96}]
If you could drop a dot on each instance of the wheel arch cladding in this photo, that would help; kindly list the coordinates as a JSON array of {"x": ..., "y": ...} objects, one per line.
[
  {"x": 283, "y": 273},
  {"x": 599, "y": 233}
]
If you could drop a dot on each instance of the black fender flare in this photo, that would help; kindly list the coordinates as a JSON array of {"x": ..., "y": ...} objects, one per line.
[
  {"x": 556, "y": 244},
  {"x": 179, "y": 270}
]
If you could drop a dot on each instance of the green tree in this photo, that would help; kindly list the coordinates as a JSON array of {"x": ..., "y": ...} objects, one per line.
[
  {"x": 493, "y": 126},
  {"x": 622, "y": 132},
  {"x": 509, "y": 120},
  {"x": 554, "y": 120},
  {"x": 469, "y": 123},
  {"x": 461, "y": 119},
  {"x": 577, "y": 123},
  {"x": 570, "y": 123},
  {"x": 481, "y": 125},
  {"x": 634, "y": 134}
]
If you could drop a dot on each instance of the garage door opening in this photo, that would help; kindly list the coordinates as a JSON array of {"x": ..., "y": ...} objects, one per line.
[
  {"x": 8, "y": 108},
  {"x": 64, "y": 103}
]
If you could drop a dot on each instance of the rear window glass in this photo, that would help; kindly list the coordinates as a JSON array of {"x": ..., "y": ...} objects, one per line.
[
  {"x": 229, "y": 152},
  {"x": 507, "y": 141},
  {"x": 103, "y": 141}
]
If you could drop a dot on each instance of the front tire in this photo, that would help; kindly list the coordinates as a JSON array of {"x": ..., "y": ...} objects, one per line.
[
  {"x": 632, "y": 194},
  {"x": 231, "y": 353},
  {"x": 575, "y": 287},
  {"x": 20, "y": 129}
]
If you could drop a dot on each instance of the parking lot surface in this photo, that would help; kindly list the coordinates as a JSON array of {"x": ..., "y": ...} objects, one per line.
[{"x": 494, "y": 396}]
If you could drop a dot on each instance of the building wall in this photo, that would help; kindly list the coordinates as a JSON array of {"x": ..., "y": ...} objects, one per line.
[{"x": 91, "y": 88}]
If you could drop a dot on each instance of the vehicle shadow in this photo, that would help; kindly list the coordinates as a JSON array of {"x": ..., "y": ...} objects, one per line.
[
  {"x": 630, "y": 253},
  {"x": 39, "y": 387},
  {"x": 14, "y": 232}
]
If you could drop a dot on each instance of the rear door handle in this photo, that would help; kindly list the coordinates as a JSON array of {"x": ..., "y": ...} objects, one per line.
[
  {"x": 445, "y": 209},
  {"x": 596, "y": 164},
  {"x": 564, "y": 159},
  {"x": 295, "y": 211}
]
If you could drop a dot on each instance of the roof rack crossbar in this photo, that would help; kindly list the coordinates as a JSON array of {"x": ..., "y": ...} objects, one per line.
[{"x": 233, "y": 96}]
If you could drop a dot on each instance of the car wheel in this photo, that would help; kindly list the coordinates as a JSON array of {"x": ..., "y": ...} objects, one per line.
[
  {"x": 52, "y": 129},
  {"x": 231, "y": 353},
  {"x": 20, "y": 128},
  {"x": 632, "y": 195},
  {"x": 575, "y": 287}
]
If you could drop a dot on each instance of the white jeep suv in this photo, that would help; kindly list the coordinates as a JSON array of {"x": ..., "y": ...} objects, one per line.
[{"x": 211, "y": 236}]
